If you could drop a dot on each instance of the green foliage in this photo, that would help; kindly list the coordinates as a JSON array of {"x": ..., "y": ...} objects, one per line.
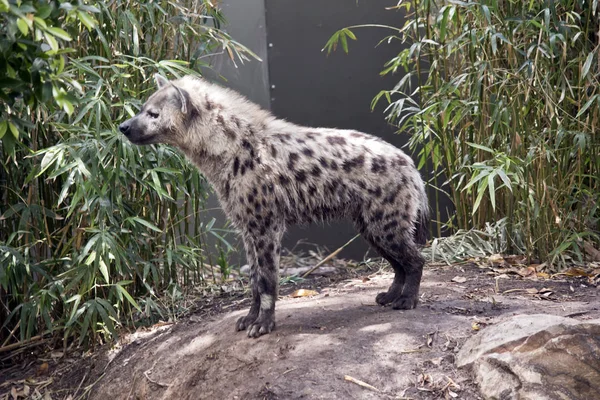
[
  {"x": 93, "y": 230},
  {"x": 502, "y": 101}
]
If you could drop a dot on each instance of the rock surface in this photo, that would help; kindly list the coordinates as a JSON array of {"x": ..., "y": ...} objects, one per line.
[{"x": 536, "y": 357}]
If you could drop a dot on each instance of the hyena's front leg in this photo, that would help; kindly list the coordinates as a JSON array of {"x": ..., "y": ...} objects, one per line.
[
  {"x": 245, "y": 322},
  {"x": 265, "y": 246}
]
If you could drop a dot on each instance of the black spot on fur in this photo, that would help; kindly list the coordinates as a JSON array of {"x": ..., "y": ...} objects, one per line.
[
  {"x": 313, "y": 135},
  {"x": 333, "y": 165},
  {"x": 236, "y": 166},
  {"x": 390, "y": 225},
  {"x": 357, "y": 135},
  {"x": 395, "y": 247},
  {"x": 389, "y": 237},
  {"x": 193, "y": 114},
  {"x": 312, "y": 190},
  {"x": 264, "y": 188},
  {"x": 243, "y": 169},
  {"x": 300, "y": 176},
  {"x": 378, "y": 165},
  {"x": 401, "y": 161},
  {"x": 230, "y": 134},
  {"x": 249, "y": 164},
  {"x": 332, "y": 186},
  {"x": 269, "y": 258},
  {"x": 323, "y": 162},
  {"x": 375, "y": 192},
  {"x": 283, "y": 137},
  {"x": 377, "y": 216},
  {"x": 252, "y": 225},
  {"x": 227, "y": 189},
  {"x": 260, "y": 244},
  {"x": 273, "y": 151},
  {"x": 248, "y": 146},
  {"x": 315, "y": 171},
  {"x": 336, "y": 140},
  {"x": 250, "y": 198},
  {"x": 307, "y": 152},
  {"x": 284, "y": 180},
  {"x": 292, "y": 160},
  {"x": 300, "y": 140},
  {"x": 391, "y": 197},
  {"x": 348, "y": 165}
]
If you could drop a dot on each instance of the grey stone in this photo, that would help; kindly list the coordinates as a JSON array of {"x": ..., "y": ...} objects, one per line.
[{"x": 536, "y": 357}]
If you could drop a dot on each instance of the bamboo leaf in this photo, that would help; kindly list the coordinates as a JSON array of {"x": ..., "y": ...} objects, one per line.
[
  {"x": 104, "y": 271},
  {"x": 587, "y": 64},
  {"x": 13, "y": 129},
  {"x": 481, "y": 189},
  {"x": 23, "y": 26},
  {"x": 60, "y": 33},
  {"x": 492, "y": 190},
  {"x": 130, "y": 299},
  {"x": 145, "y": 223}
]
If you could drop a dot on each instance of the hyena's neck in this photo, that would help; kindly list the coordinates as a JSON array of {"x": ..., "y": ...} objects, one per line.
[{"x": 226, "y": 141}]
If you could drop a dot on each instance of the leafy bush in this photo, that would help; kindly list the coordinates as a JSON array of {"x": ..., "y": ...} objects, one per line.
[
  {"x": 502, "y": 102},
  {"x": 92, "y": 228}
]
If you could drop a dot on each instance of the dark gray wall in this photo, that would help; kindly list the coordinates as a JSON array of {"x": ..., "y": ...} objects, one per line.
[{"x": 246, "y": 25}]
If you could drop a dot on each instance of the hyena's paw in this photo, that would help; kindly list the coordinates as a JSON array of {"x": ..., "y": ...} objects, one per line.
[
  {"x": 261, "y": 326},
  {"x": 245, "y": 322},
  {"x": 405, "y": 303},
  {"x": 384, "y": 298}
]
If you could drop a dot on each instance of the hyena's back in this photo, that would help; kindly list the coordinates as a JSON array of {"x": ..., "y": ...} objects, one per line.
[{"x": 319, "y": 174}]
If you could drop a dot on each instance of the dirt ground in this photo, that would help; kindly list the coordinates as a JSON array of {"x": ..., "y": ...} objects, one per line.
[{"x": 337, "y": 344}]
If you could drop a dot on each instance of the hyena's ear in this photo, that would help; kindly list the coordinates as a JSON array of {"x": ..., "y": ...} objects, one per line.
[
  {"x": 183, "y": 99},
  {"x": 160, "y": 81}
]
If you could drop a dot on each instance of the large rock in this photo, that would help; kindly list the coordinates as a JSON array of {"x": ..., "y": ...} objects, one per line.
[{"x": 536, "y": 357}]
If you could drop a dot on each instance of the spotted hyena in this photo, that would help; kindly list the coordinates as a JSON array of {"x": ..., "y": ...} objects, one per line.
[{"x": 269, "y": 173}]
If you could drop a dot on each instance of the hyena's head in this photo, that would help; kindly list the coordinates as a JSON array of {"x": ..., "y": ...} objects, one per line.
[{"x": 162, "y": 118}]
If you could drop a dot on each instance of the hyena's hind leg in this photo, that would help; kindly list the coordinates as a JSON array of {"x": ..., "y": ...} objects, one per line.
[
  {"x": 398, "y": 247},
  {"x": 263, "y": 246},
  {"x": 407, "y": 263}
]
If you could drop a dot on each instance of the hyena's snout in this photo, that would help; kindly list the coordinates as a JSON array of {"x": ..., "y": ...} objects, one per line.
[{"x": 125, "y": 127}]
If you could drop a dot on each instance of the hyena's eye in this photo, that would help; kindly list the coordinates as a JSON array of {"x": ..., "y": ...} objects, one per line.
[{"x": 152, "y": 114}]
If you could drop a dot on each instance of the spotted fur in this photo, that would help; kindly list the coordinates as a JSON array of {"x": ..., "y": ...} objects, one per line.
[{"x": 269, "y": 174}]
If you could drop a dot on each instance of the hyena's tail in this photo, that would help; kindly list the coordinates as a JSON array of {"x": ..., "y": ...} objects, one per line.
[{"x": 422, "y": 223}]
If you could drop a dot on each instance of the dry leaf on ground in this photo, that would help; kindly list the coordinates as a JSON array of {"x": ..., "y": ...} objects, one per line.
[{"x": 304, "y": 293}]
